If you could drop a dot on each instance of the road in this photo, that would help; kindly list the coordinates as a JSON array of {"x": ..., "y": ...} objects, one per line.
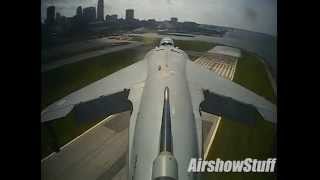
[{"x": 88, "y": 55}]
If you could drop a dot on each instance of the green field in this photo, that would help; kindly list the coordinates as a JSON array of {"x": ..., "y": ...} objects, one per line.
[
  {"x": 66, "y": 54},
  {"x": 61, "y": 81},
  {"x": 184, "y": 45},
  {"x": 237, "y": 141},
  {"x": 252, "y": 74}
]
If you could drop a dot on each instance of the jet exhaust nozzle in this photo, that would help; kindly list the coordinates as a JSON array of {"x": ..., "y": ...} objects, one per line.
[{"x": 165, "y": 167}]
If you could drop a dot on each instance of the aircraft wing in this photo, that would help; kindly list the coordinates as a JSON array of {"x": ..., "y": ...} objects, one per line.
[
  {"x": 224, "y": 97},
  {"x": 103, "y": 97}
]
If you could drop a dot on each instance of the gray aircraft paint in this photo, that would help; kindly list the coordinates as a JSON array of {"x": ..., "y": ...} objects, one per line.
[{"x": 166, "y": 68}]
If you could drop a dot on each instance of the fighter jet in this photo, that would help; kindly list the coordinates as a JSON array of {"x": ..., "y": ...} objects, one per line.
[{"x": 165, "y": 93}]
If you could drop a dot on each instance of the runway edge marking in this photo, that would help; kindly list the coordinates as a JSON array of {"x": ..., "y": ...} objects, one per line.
[{"x": 73, "y": 140}]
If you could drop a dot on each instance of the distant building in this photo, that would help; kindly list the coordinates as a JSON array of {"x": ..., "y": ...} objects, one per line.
[
  {"x": 61, "y": 23},
  {"x": 108, "y": 18},
  {"x": 129, "y": 14},
  {"x": 111, "y": 18},
  {"x": 58, "y": 16},
  {"x": 78, "y": 18},
  {"x": 79, "y": 11},
  {"x": 89, "y": 14},
  {"x": 174, "y": 20},
  {"x": 50, "y": 14},
  {"x": 100, "y": 10},
  {"x": 150, "y": 23}
]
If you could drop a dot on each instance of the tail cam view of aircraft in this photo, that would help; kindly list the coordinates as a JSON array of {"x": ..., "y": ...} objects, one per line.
[{"x": 165, "y": 93}]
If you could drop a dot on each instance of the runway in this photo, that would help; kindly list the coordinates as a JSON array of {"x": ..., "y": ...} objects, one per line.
[
  {"x": 101, "y": 153},
  {"x": 88, "y": 55}
]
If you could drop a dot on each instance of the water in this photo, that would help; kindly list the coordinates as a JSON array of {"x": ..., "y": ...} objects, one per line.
[{"x": 265, "y": 46}]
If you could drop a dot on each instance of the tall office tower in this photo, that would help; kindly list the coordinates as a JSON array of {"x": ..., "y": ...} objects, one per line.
[{"x": 100, "y": 10}]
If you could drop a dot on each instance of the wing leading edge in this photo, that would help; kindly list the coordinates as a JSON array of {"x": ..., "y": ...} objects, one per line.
[
  {"x": 111, "y": 88},
  {"x": 224, "y": 97}
]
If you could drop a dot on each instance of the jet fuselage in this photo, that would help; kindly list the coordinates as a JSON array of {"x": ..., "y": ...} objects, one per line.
[{"x": 166, "y": 68}]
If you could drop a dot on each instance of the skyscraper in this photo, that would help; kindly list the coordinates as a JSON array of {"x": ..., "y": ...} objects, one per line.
[
  {"x": 50, "y": 14},
  {"x": 100, "y": 10},
  {"x": 129, "y": 14}
]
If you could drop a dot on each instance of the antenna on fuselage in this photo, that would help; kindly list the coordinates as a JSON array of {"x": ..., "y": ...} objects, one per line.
[
  {"x": 166, "y": 134},
  {"x": 165, "y": 166}
]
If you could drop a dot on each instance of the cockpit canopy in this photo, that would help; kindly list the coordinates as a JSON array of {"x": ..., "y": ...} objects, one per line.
[{"x": 166, "y": 42}]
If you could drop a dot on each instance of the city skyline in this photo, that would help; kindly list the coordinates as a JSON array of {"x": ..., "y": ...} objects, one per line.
[{"x": 252, "y": 15}]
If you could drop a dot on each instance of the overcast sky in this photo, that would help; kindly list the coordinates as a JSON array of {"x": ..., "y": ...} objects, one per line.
[{"x": 254, "y": 15}]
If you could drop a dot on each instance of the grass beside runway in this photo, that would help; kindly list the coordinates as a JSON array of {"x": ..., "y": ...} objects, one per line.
[
  {"x": 185, "y": 45},
  {"x": 251, "y": 73},
  {"x": 237, "y": 141},
  {"x": 59, "y": 82},
  {"x": 45, "y": 58}
]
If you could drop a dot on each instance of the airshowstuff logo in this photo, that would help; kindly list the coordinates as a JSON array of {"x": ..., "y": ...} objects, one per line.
[{"x": 246, "y": 165}]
